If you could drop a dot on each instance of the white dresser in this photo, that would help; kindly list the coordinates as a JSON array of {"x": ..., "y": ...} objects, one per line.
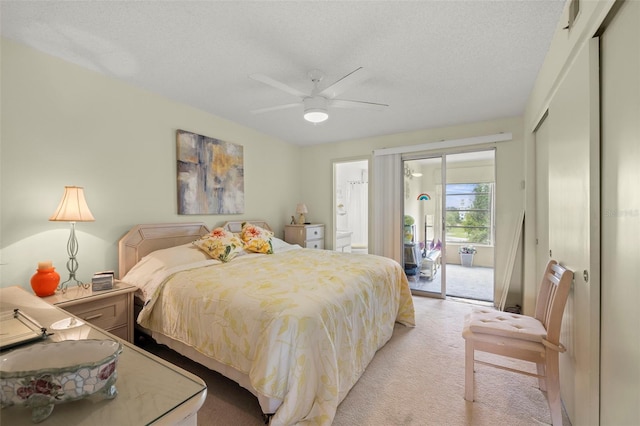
[{"x": 307, "y": 236}]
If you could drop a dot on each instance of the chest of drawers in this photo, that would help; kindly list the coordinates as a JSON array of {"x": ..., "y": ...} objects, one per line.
[
  {"x": 111, "y": 310},
  {"x": 307, "y": 236}
]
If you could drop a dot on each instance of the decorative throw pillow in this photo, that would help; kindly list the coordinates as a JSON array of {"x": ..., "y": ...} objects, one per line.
[
  {"x": 256, "y": 239},
  {"x": 220, "y": 245}
]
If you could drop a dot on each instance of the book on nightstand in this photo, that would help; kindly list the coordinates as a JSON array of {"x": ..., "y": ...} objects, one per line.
[{"x": 102, "y": 281}]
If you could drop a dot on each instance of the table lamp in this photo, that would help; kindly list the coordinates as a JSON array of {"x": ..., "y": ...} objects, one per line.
[
  {"x": 301, "y": 209},
  {"x": 73, "y": 208}
]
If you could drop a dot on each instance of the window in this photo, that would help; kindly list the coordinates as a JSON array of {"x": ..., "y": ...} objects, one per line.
[{"x": 469, "y": 213}]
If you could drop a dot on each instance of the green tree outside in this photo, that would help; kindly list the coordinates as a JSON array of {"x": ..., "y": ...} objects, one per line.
[
  {"x": 477, "y": 220},
  {"x": 453, "y": 217}
]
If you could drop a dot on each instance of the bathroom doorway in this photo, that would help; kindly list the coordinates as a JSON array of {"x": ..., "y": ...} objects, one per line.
[{"x": 351, "y": 206}]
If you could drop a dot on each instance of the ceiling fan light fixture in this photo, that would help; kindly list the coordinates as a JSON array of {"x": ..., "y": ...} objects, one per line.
[
  {"x": 316, "y": 102},
  {"x": 315, "y": 109},
  {"x": 315, "y": 115}
]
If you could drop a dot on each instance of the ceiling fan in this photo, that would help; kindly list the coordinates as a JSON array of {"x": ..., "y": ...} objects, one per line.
[{"x": 317, "y": 102}]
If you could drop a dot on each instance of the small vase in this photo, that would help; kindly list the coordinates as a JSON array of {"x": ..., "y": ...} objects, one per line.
[{"x": 45, "y": 281}]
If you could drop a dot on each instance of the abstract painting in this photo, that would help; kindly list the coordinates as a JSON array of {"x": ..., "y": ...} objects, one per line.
[{"x": 210, "y": 175}]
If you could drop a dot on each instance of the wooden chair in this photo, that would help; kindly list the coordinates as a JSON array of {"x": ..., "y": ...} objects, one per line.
[{"x": 535, "y": 339}]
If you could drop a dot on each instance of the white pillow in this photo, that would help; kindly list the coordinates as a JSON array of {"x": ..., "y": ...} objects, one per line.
[
  {"x": 164, "y": 259},
  {"x": 178, "y": 255},
  {"x": 280, "y": 245}
]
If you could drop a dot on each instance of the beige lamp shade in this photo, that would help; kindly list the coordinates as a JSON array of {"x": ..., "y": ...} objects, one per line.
[
  {"x": 301, "y": 208},
  {"x": 73, "y": 207}
]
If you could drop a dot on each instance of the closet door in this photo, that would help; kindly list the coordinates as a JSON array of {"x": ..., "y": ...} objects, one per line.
[
  {"x": 621, "y": 218},
  {"x": 574, "y": 227}
]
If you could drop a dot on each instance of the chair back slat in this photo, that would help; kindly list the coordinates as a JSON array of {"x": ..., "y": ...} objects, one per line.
[{"x": 552, "y": 299}]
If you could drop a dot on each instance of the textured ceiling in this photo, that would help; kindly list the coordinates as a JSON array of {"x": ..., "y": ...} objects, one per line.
[{"x": 436, "y": 63}]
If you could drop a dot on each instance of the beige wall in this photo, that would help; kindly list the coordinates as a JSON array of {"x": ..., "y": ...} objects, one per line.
[{"x": 64, "y": 125}]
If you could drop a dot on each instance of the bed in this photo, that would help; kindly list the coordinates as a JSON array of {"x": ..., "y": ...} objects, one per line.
[{"x": 297, "y": 327}]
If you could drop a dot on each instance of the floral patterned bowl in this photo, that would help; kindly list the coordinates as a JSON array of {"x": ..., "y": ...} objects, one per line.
[{"x": 45, "y": 374}]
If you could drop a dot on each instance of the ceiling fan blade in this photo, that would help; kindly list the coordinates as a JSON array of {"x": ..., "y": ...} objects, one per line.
[
  {"x": 278, "y": 85},
  {"x": 275, "y": 108},
  {"x": 354, "y": 77},
  {"x": 344, "y": 103}
]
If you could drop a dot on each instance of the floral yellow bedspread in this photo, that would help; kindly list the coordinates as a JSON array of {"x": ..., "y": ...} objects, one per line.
[{"x": 303, "y": 324}]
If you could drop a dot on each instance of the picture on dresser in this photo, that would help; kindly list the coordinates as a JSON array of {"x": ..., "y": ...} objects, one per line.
[{"x": 210, "y": 175}]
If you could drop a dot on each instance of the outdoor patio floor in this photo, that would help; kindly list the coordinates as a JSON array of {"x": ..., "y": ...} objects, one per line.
[{"x": 473, "y": 282}]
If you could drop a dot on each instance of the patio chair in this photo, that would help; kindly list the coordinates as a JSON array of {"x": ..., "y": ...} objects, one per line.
[{"x": 534, "y": 339}]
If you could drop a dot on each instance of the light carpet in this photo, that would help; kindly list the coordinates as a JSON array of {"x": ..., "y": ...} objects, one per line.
[{"x": 417, "y": 378}]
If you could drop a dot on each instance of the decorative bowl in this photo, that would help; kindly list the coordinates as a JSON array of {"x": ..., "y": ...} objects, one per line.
[{"x": 45, "y": 374}]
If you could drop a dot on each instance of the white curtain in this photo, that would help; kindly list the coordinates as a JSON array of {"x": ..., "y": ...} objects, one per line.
[{"x": 387, "y": 206}]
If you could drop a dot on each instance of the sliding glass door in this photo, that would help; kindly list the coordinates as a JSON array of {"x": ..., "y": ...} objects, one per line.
[
  {"x": 449, "y": 214},
  {"x": 469, "y": 202},
  {"x": 423, "y": 225}
]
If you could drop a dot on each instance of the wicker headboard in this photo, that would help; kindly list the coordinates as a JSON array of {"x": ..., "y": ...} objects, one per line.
[
  {"x": 236, "y": 225},
  {"x": 143, "y": 239}
]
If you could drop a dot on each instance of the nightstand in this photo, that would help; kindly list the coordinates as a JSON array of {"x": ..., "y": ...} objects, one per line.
[
  {"x": 111, "y": 310},
  {"x": 307, "y": 236}
]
